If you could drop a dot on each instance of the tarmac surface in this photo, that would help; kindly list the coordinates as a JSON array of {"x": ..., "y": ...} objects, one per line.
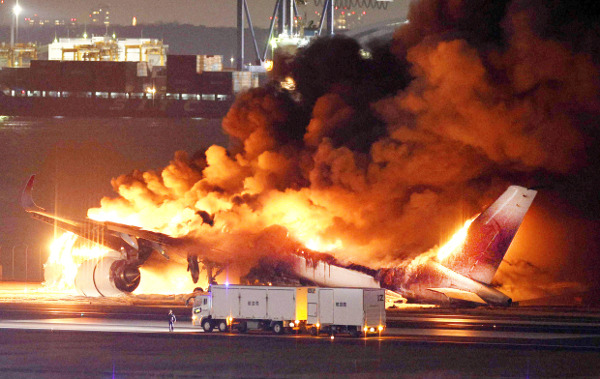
[{"x": 64, "y": 336}]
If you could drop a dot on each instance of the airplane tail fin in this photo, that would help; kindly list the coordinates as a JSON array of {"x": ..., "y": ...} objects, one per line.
[
  {"x": 26, "y": 198},
  {"x": 490, "y": 235}
]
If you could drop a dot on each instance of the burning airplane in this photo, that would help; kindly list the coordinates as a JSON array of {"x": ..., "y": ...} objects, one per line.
[
  {"x": 460, "y": 273},
  {"x": 369, "y": 160}
]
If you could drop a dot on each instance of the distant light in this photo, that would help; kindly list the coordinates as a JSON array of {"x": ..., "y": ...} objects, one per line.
[
  {"x": 289, "y": 83},
  {"x": 17, "y": 9},
  {"x": 227, "y": 283},
  {"x": 268, "y": 64},
  {"x": 134, "y": 21}
]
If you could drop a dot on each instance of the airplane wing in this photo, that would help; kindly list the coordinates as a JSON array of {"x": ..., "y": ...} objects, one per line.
[
  {"x": 133, "y": 244},
  {"x": 115, "y": 236},
  {"x": 456, "y": 294}
]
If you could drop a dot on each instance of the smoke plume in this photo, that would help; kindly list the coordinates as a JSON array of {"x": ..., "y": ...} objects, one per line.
[{"x": 378, "y": 159}]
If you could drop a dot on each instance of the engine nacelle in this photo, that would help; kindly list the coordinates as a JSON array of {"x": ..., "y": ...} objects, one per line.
[{"x": 109, "y": 276}]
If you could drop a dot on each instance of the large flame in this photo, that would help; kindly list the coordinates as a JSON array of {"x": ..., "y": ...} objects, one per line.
[
  {"x": 65, "y": 257},
  {"x": 440, "y": 253},
  {"x": 456, "y": 241}
]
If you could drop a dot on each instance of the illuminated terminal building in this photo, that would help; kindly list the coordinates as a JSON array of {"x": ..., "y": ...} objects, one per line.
[{"x": 104, "y": 48}]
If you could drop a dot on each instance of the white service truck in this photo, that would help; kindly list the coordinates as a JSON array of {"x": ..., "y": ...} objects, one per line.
[
  {"x": 320, "y": 310},
  {"x": 241, "y": 307},
  {"x": 345, "y": 310}
]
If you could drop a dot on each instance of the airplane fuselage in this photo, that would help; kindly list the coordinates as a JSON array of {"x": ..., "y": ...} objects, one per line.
[{"x": 434, "y": 283}]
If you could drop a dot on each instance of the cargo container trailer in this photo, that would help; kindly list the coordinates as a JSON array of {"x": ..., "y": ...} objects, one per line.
[{"x": 354, "y": 311}]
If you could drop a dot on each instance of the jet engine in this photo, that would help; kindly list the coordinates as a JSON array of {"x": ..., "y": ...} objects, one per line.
[{"x": 108, "y": 276}]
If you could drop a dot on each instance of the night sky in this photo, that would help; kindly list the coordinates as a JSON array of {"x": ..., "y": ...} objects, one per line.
[{"x": 195, "y": 12}]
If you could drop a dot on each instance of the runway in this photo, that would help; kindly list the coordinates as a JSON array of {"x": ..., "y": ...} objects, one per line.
[
  {"x": 545, "y": 334},
  {"x": 128, "y": 338},
  {"x": 67, "y": 349}
]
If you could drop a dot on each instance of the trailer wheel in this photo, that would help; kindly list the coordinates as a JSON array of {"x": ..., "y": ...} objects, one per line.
[
  {"x": 278, "y": 328},
  {"x": 223, "y": 327},
  {"x": 207, "y": 325},
  {"x": 353, "y": 330},
  {"x": 242, "y": 327},
  {"x": 313, "y": 331}
]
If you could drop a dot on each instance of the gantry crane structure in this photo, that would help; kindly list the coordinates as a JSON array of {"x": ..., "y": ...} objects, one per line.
[{"x": 285, "y": 16}]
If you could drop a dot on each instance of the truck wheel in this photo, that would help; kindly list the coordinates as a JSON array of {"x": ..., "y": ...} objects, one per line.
[
  {"x": 207, "y": 325},
  {"x": 313, "y": 331},
  {"x": 278, "y": 328},
  {"x": 223, "y": 327},
  {"x": 353, "y": 330},
  {"x": 242, "y": 327}
]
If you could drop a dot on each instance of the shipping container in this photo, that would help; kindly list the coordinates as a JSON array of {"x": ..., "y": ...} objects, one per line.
[
  {"x": 181, "y": 74},
  {"x": 345, "y": 310},
  {"x": 209, "y": 63},
  {"x": 45, "y": 75},
  {"x": 109, "y": 76},
  {"x": 77, "y": 76},
  {"x": 17, "y": 78},
  {"x": 242, "y": 81},
  {"x": 216, "y": 82},
  {"x": 142, "y": 69},
  {"x": 133, "y": 83}
]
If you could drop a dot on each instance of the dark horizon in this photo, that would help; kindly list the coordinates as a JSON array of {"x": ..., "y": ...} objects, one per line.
[{"x": 198, "y": 12}]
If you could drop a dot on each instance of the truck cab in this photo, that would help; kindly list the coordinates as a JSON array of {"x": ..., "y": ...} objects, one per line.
[{"x": 201, "y": 308}]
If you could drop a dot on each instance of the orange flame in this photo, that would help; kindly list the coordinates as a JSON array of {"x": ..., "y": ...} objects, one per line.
[
  {"x": 61, "y": 267},
  {"x": 443, "y": 252},
  {"x": 65, "y": 257},
  {"x": 446, "y": 250}
]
